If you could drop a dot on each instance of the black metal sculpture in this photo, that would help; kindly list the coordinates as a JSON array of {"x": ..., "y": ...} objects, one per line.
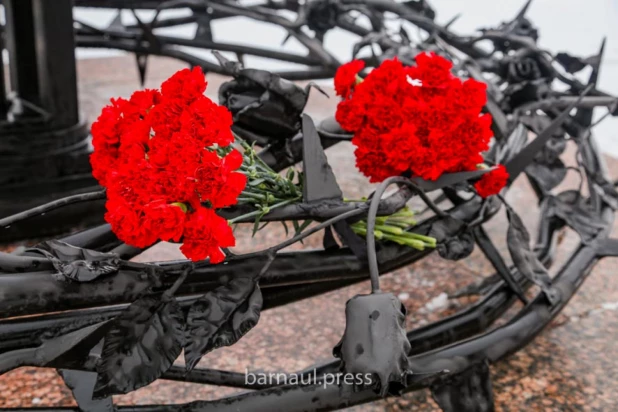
[{"x": 130, "y": 336}]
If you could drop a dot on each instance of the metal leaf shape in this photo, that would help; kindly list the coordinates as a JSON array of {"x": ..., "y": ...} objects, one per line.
[
  {"x": 457, "y": 247},
  {"x": 82, "y": 265},
  {"x": 506, "y": 149},
  {"x": 142, "y": 343},
  {"x": 263, "y": 103},
  {"x": 524, "y": 259},
  {"x": 454, "y": 241},
  {"x": 241, "y": 321},
  {"x": 209, "y": 316},
  {"x": 547, "y": 175},
  {"x": 572, "y": 208},
  {"x": 571, "y": 64},
  {"x": 446, "y": 228},
  {"x": 374, "y": 341},
  {"x": 467, "y": 391}
]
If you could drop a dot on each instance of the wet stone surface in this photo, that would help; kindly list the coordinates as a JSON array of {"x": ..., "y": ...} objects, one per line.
[{"x": 572, "y": 365}]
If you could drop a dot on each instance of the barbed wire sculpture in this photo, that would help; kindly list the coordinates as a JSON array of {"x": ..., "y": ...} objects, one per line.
[{"x": 110, "y": 326}]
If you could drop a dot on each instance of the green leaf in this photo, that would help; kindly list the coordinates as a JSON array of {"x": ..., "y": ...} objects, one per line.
[
  {"x": 256, "y": 225},
  {"x": 302, "y": 227},
  {"x": 256, "y": 182}
]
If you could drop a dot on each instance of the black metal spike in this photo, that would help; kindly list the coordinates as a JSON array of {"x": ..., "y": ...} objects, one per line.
[
  {"x": 142, "y": 64},
  {"x": 452, "y": 21},
  {"x": 596, "y": 64},
  {"x": 285, "y": 40},
  {"x": 522, "y": 12},
  {"x": 584, "y": 116},
  {"x": 147, "y": 33},
  {"x": 204, "y": 28},
  {"x": 116, "y": 24},
  {"x": 319, "y": 179}
]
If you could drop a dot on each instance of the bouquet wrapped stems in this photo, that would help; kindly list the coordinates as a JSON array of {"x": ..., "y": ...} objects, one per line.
[
  {"x": 266, "y": 189},
  {"x": 394, "y": 228}
]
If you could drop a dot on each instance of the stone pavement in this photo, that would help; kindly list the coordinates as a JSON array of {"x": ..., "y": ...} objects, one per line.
[{"x": 571, "y": 366}]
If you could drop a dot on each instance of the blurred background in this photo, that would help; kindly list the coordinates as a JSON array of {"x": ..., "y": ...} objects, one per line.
[{"x": 576, "y": 26}]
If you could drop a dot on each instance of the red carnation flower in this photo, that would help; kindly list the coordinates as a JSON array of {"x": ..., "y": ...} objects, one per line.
[
  {"x": 107, "y": 128},
  {"x": 157, "y": 155},
  {"x": 350, "y": 115},
  {"x": 432, "y": 70},
  {"x": 421, "y": 120},
  {"x": 141, "y": 102},
  {"x": 208, "y": 123},
  {"x": 164, "y": 118},
  {"x": 492, "y": 183},
  {"x": 166, "y": 220},
  {"x": 217, "y": 182},
  {"x": 128, "y": 223},
  {"x": 186, "y": 85},
  {"x": 205, "y": 233},
  {"x": 345, "y": 77}
]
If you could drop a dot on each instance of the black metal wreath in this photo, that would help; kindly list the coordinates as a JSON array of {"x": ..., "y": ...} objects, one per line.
[{"x": 128, "y": 322}]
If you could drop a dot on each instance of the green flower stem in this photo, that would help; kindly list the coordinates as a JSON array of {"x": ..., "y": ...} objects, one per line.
[
  {"x": 410, "y": 221},
  {"x": 403, "y": 219},
  {"x": 389, "y": 229},
  {"x": 402, "y": 225},
  {"x": 268, "y": 197},
  {"x": 253, "y": 195},
  {"x": 416, "y": 244},
  {"x": 362, "y": 231},
  {"x": 402, "y": 213},
  {"x": 246, "y": 201},
  {"x": 247, "y": 215},
  {"x": 263, "y": 211},
  {"x": 427, "y": 239},
  {"x": 267, "y": 190},
  {"x": 394, "y": 228},
  {"x": 414, "y": 240},
  {"x": 265, "y": 187}
]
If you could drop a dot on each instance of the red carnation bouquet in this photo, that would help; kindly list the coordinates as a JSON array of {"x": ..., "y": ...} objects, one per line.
[
  {"x": 167, "y": 161},
  {"x": 420, "y": 120}
]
